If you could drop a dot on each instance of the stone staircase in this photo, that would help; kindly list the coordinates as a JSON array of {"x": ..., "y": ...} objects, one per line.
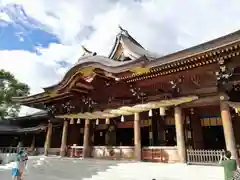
[{"x": 158, "y": 171}]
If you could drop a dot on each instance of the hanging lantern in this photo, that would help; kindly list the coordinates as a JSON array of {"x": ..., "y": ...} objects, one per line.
[
  {"x": 78, "y": 121},
  {"x": 72, "y": 121},
  {"x": 107, "y": 121},
  {"x": 150, "y": 135},
  {"x": 122, "y": 118},
  {"x": 97, "y": 121},
  {"x": 192, "y": 111},
  {"x": 162, "y": 111},
  {"x": 150, "y": 113}
]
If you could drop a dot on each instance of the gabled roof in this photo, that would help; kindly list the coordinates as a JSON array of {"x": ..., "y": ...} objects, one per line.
[
  {"x": 36, "y": 115},
  {"x": 127, "y": 48},
  {"x": 12, "y": 129},
  {"x": 209, "y": 52}
]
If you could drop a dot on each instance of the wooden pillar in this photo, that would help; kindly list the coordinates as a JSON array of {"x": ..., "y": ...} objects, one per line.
[
  {"x": 228, "y": 128},
  {"x": 48, "y": 138},
  {"x": 64, "y": 138},
  {"x": 33, "y": 142},
  {"x": 180, "y": 133},
  {"x": 137, "y": 137},
  {"x": 86, "y": 139}
]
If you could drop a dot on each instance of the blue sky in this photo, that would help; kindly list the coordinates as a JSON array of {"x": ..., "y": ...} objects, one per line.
[
  {"x": 14, "y": 38},
  {"x": 18, "y": 35}
]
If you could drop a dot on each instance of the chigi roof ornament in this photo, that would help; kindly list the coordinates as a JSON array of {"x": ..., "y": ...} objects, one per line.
[
  {"x": 122, "y": 31},
  {"x": 87, "y": 52}
]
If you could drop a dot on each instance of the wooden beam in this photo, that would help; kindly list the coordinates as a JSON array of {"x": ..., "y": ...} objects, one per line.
[{"x": 204, "y": 101}]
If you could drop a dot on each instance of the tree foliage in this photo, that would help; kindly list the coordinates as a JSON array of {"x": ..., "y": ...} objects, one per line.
[{"x": 10, "y": 87}]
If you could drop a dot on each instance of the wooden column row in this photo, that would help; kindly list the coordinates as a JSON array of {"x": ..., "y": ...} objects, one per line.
[
  {"x": 86, "y": 138},
  {"x": 227, "y": 127},
  {"x": 137, "y": 136},
  {"x": 64, "y": 139},
  {"x": 179, "y": 121}
]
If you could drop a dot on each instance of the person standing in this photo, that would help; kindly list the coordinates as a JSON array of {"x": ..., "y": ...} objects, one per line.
[
  {"x": 229, "y": 165},
  {"x": 15, "y": 168},
  {"x": 23, "y": 163}
]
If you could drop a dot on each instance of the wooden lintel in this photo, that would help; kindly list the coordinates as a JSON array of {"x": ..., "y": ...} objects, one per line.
[
  {"x": 204, "y": 101},
  {"x": 81, "y": 85},
  {"x": 46, "y": 100},
  {"x": 79, "y": 90},
  {"x": 200, "y": 91}
]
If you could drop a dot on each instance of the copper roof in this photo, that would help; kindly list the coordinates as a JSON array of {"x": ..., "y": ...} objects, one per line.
[
  {"x": 132, "y": 48},
  {"x": 7, "y": 129}
]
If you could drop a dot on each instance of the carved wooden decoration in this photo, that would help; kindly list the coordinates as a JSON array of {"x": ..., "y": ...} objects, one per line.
[{"x": 195, "y": 79}]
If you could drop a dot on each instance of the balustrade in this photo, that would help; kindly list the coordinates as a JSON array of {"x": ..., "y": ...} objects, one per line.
[{"x": 200, "y": 156}]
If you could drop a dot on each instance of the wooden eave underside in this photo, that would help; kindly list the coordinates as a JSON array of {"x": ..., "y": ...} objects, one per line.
[{"x": 75, "y": 84}]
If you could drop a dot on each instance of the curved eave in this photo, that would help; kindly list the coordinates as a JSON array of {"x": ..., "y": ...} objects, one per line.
[
  {"x": 83, "y": 84},
  {"x": 99, "y": 62},
  {"x": 114, "y": 48},
  {"x": 118, "y": 41},
  {"x": 134, "y": 48},
  {"x": 37, "y": 101},
  {"x": 24, "y": 99}
]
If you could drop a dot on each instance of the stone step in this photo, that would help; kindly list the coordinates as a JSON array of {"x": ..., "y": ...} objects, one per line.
[{"x": 139, "y": 171}]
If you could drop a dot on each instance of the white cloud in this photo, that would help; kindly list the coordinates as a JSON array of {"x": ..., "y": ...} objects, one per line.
[{"x": 160, "y": 26}]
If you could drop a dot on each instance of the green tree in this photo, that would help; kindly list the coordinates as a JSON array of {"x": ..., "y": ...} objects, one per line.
[{"x": 10, "y": 87}]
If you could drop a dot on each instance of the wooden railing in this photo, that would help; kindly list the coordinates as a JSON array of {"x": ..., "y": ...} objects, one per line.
[
  {"x": 12, "y": 150},
  {"x": 75, "y": 151},
  {"x": 164, "y": 154},
  {"x": 199, "y": 156},
  {"x": 113, "y": 152},
  {"x": 153, "y": 154}
]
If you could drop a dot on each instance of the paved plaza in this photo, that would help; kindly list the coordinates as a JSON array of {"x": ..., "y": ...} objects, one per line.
[
  {"x": 60, "y": 169},
  {"x": 76, "y": 169}
]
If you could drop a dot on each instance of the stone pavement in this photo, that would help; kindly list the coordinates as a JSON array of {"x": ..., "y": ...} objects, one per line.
[{"x": 91, "y": 169}]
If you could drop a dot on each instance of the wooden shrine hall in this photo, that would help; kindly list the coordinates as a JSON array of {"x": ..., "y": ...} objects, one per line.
[{"x": 135, "y": 104}]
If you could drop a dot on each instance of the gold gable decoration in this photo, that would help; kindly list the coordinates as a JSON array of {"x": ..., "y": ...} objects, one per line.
[
  {"x": 87, "y": 52},
  {"x": 86, "y": 71},
  {"x": 53, "y": 93},
  {"x": 140, "y": 70}
]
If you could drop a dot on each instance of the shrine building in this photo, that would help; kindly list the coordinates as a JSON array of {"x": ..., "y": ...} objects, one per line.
[{"x": 135, "y": 104}]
